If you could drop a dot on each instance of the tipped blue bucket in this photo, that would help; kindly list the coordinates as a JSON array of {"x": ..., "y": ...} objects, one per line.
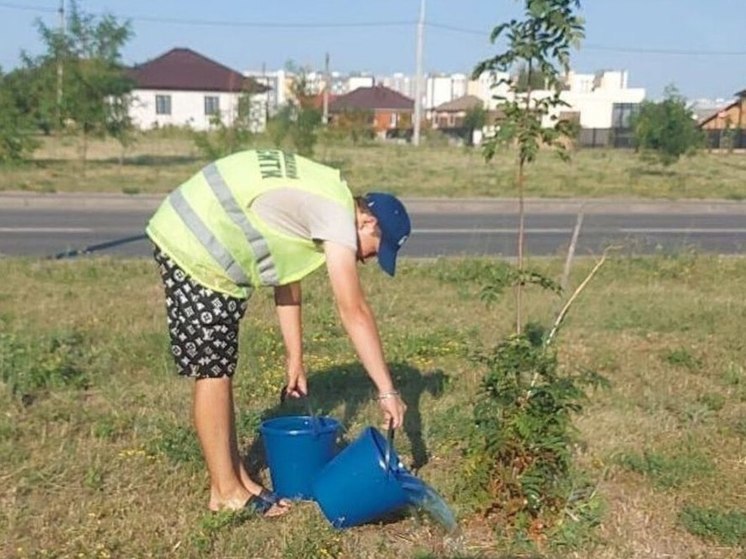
[
  {"x": 360, "y": 484},
  {"x": 297, "y": 448}
]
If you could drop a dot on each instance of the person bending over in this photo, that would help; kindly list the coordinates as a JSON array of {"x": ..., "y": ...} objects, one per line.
[{"x": 266, "y": 218}]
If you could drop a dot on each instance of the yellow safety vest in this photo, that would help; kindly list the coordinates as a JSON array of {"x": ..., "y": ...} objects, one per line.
[{"x": 208, "y": 228}]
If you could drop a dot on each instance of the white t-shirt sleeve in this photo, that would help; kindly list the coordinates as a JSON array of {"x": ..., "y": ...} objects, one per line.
[{"x": 309, "y": 216}]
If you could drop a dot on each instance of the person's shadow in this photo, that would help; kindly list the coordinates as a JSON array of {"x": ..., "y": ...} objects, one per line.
[{"x": 349, "y": 385}]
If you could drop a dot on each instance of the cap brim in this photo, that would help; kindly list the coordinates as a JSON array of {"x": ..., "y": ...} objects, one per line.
[{"x": 387, "y": 258}]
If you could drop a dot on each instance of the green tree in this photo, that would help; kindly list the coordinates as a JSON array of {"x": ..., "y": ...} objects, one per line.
[
  {"x": 540, "y": 44},
  {"x": 306, "y": 116},
  {"x": 666, "y": 130},
  {"x": 27, "y": 89},
  {"x": 474, "y": 119},
  {"x": 225, "y": 138},
  {"x": 298, "y": 122},
  {"x": 525, "y": 79},
  {"x": 92, "y": 98},
  {"x": 279, "y": 125},
  {"x": 355, "y": 124},
  {"x": 16, "y": 125},
  {"x": 518, "y": 460}
]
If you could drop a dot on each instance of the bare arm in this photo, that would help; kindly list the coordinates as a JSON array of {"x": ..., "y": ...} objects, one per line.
[
  {"x": 360, "y": 325},
  {"x": 288, "y": 305}
]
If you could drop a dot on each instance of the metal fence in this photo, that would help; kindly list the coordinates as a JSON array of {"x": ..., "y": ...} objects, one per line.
[
  {"x": 623, "y": 138},
  {"x": 588, "y": 137},
  {"x": 732, "y": 138},
  {"x": 606, "y": 138}
]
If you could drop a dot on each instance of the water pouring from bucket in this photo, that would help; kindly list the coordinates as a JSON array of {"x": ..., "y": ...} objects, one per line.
[
  {"x": 421, "y": 495},
  {"x": 418, "y": 492}
]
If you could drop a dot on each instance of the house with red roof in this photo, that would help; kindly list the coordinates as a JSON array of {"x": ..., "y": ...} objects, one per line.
[
  {"x": 724, "y": 128},
  {"x": 452, "y": 113},
  {"x": 451, "y": 119},
  {"x": 184, "y": 88},
  {"x": 389, "y": 113}
]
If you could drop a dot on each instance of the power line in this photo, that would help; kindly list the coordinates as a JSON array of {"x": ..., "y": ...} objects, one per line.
[
  {"x": 340, "y": 25},
  {"x": 269, "y": 24},
  {"x": 27, "y": 8},
  {"x": 681, "y": 52},
  {"x": 480, "y": 33},
  {"x": 592, "y": 46},
  {"x": 225, "y": 23}
]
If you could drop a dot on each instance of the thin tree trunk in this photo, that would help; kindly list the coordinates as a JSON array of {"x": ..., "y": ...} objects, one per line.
[
  {"x": 83, "y": 150},
  {"x": 521, "y": 227},
  {"x": 521, "y": 222}
]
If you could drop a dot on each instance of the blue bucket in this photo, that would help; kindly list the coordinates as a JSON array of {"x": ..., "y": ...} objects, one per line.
[
  {"x": 297, "y": 448},
  {"x": 360, "y": 484}
]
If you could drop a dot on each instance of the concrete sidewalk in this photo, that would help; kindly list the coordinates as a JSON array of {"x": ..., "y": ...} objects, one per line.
[{"x": 125, "y": 202}]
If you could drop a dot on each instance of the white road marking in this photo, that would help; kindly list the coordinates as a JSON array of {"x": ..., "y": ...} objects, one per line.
[
  {"x": 558, "y": 230},
  {"x": 685, "y": 230},
  {"x": 487, "y": 231},
  {"x": 46, "y": 230}
]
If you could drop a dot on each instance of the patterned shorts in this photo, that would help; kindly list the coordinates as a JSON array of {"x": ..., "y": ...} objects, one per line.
[{"x": 202, "y": 323}]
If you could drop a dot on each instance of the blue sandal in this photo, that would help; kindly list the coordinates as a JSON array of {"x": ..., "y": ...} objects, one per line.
[{"x": 262, "y": 503}]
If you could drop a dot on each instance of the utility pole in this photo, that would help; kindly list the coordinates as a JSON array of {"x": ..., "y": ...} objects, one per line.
[
  {"x": 60, "y": 55},
  {"x": 418, "y": 79},
  {"x": 327, "y": 85},
  {"x": 265, "y": 83}
]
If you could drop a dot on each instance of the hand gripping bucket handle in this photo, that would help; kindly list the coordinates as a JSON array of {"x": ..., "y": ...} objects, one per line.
[{"x": 309, "y": 408}]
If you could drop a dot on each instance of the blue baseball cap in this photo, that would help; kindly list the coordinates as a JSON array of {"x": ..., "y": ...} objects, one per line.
[{"x": 393, "y": 221}]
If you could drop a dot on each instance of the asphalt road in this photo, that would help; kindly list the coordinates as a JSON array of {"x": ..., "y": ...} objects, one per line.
[{"x": 50, "y": 224}]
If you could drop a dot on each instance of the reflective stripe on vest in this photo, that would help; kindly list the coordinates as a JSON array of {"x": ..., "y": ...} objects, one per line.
[
  {"x": 262, "y": 257},
  {"x": 259, "y": 247}
]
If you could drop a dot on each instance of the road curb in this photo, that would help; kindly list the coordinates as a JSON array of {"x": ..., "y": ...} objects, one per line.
[
  {"x": 576, "y": 205},
  {"x": 109, "y": 202}
]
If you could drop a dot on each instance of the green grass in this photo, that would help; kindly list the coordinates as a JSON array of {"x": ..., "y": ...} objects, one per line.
[
  {"x": 98, "y": 458},
  {"x": 159, "y": 161},
  {"x": 725, "y": 527},
  {"x": 669, "y": 471}
]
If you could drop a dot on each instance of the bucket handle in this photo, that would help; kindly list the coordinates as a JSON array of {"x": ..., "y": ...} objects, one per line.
[
  {"x": 389, "y": 447},
  {"x": 309, "y": 409}
]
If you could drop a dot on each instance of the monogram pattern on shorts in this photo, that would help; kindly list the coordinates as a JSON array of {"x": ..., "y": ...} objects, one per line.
[{"x": 202, "y": 323}]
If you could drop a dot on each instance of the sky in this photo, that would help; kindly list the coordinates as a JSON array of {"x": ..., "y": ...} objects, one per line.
[{"x": 695, "y": 45}]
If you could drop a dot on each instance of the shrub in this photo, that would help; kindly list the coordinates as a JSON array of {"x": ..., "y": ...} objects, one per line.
[
  {"x": 519, "y": 456},
  {"x": 222, "y": 139},
  {"x": 667, "y": 130}
]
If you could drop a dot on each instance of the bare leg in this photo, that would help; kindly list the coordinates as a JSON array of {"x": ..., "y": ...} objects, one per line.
[{"x": 214, "y": 420}]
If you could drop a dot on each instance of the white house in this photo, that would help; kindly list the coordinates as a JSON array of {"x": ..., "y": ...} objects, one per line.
[
  {"x": 603, "y": 100},
  {"x": 598, "y": 101},
  {"x": 184, "y": 88}
]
